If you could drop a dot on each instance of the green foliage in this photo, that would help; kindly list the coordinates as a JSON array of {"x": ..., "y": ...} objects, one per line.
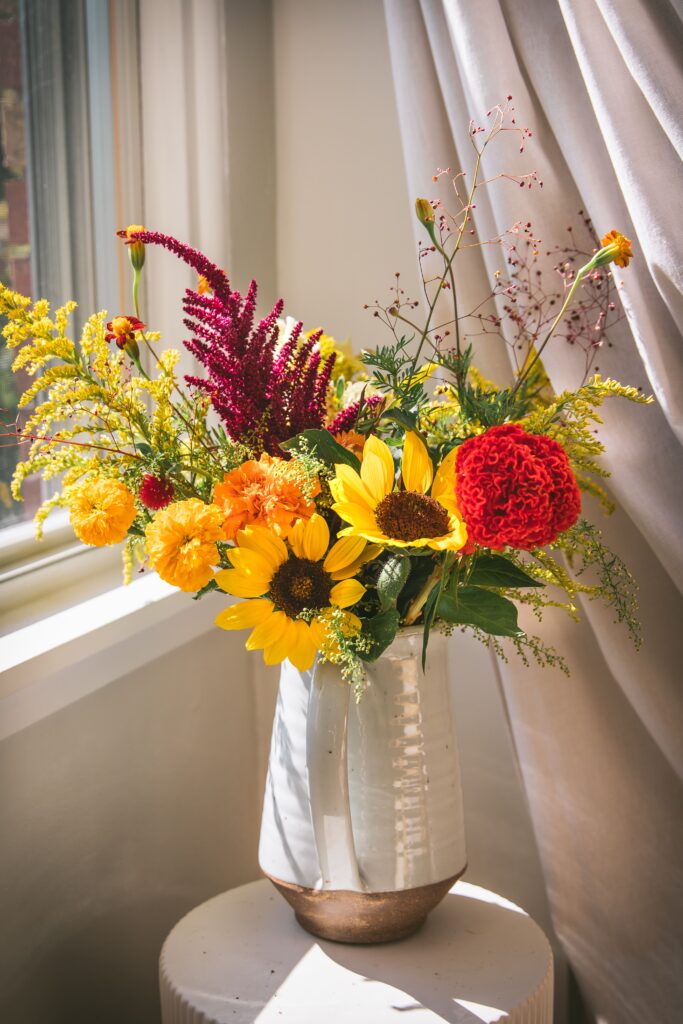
[
  {"x": 380, "y": 630},
  {"x": 585, "y": 552},
  {"x": 392, "y": 579},
  {"x": 497, "y": 571},
  {"x": 322, "y": 445},
  {"x": 475, "y": 606},
  {"x": 394, "y": 375}
]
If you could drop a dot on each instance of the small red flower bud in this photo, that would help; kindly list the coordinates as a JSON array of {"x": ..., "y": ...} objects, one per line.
[{"x": 156, "y": 492}]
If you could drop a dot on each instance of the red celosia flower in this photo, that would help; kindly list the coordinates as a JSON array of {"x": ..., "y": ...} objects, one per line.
[
  {"x": 515, "y": 489},
  {"x": 122, "y": 330},
  {"x": 156, "y": 492}
]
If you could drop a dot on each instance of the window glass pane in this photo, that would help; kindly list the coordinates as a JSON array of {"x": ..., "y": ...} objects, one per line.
[
  {"x": 15, "y": 243},
  {"x": 56, "y": 193}
]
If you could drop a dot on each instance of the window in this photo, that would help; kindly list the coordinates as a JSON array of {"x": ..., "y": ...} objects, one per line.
[
  {"x": 57, "y": 177},
  {"x": 130, "y": 113}
]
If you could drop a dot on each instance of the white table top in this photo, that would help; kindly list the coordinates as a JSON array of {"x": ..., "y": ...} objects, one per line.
[{"x": 241, "y": 958}]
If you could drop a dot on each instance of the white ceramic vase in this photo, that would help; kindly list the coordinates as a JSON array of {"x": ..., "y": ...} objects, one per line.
[{"x": 362, "y": 827}]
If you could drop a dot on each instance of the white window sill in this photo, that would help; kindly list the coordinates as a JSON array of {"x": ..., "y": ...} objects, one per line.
[{"x": 55, "y": 661}]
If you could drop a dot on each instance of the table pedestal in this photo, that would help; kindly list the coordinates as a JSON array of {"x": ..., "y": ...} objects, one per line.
[{"x": 242, "y": 958}]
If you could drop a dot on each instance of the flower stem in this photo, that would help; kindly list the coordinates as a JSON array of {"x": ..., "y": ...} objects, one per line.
[
  {"x": 417, "y": 604},
  {"x": 527, "y": 367}
]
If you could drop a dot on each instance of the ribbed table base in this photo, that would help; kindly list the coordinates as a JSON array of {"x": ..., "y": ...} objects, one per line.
[{"x": 242, "y": 958}]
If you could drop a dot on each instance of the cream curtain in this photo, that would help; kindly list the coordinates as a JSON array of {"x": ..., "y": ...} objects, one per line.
[{"x": 601, "y": 756}]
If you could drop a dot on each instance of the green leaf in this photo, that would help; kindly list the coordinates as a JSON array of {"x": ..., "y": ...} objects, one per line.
[
  {"x": 324, "y": 446},
  {"x": 392, "y": 579},
  {"x": 405, "y": 419},
  {"x": 429, "y": 613},
  {"x": 497, "y": 571},
  {"x": 381, "y": 629},
  {"x": 477, "y": 607},
  {"x": 206, "y": 589}
]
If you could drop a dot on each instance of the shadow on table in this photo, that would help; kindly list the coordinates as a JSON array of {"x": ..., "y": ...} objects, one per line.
[
  {"x": 452, "y": 972},
  {"x": 454, "y": 967}
]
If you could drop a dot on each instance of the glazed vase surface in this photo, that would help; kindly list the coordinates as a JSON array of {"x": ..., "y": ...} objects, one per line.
[{"x": 362, "y": 827}]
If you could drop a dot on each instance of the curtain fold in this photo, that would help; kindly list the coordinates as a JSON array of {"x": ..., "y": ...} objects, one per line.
[{"x": 599, "y": 82}]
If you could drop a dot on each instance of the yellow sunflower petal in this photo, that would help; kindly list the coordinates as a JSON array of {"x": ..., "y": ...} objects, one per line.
[
  {"x": 349, "y": 487},
  {"x": 265, "y": 543},
  {"x": 346, "y": 593},
  {"x": 310, "y": 538},
  {"x": 303, "y": 649},
  {"x": 343, "y": 552},
  {"x": 370, "y": 552},
  {"x": 359, "y": 515},
  {"x": 235, "y": 582},
  {"x": 416, "y": 466},
  {"x": 251, "y": 563},
  {"x": 377, "y": 468},
  {"x": 444, "y": 481},
  {"x": 453, "y": 541},
  {"x": 244, "y": 615},
  {"x": 268, "y": 631},
  {"x": 277, "y": 651}
]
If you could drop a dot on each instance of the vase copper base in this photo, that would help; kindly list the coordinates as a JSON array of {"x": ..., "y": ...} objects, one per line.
[{"x": 363, "y": 917}]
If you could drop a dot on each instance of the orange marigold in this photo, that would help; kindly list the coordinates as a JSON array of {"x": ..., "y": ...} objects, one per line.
[
  {"x": 181, "y": 543},
  {"x": 352, "y": 440},
  {"x": 101, "y": 511},
  {"x": 268, "y": 493},
  {"x": 621, "y": 247}
]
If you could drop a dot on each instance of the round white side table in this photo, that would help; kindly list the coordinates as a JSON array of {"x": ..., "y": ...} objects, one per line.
[{"x": 242, "y": 958}]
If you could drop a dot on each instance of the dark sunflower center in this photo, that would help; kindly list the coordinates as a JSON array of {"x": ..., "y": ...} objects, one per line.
[
  {"x": 408, "y": 515},
  {"x": 300, "y": 583}
]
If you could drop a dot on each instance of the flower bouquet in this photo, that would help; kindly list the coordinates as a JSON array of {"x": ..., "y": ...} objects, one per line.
[{"x": 342, "y": 499}]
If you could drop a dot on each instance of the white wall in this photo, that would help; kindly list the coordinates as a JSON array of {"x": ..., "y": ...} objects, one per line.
[{"x": 128, "y": 806}]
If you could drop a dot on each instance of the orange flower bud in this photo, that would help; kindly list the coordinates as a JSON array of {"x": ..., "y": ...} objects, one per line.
[{"x": 136, "y": 249}]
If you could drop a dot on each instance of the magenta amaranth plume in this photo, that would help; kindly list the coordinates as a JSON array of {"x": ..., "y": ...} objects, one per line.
[{"x": 263, "y": 395}]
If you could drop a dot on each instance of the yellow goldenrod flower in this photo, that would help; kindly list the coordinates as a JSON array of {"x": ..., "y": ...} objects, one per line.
[
  {"x": 283, "y": 580},
  {"x": 616, "y": 248},
  {"x": 102, "y": 511},
  {"x": 203, "y": 285},
  {"x": 181, "y": 542},
  {"x": 409, "y": 517}
]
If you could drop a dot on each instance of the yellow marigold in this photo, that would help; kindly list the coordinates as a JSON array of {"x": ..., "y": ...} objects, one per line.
[
  {"x": 619, "y": 246},
  {"x": 181, "y": 543},
  {"x": 102, "y": 511},
  {"x": 265, "y": 493}
]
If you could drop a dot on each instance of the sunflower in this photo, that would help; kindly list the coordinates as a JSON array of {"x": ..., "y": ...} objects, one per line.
[
  {"x": 101, "y": 511},
  {"x": 408, "y": 517},
  {"x": 283, "y": 580}
]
